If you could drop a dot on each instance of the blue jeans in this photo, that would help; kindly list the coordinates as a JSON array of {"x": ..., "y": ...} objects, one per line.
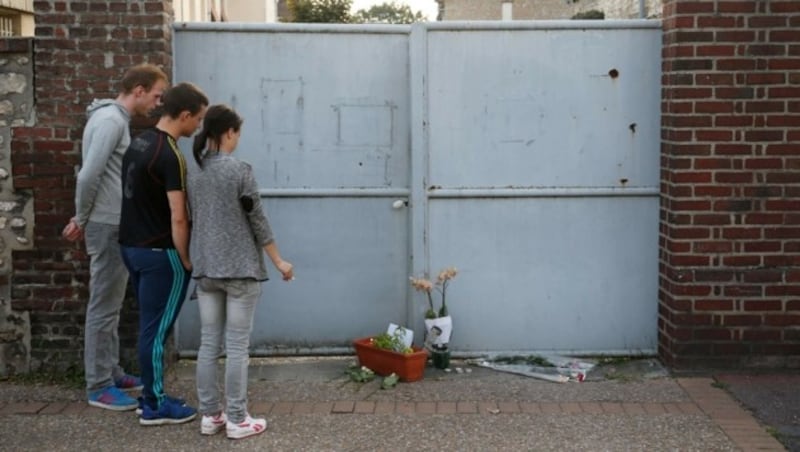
[
  {"x": 160, "y": 282},
  {"x": 107, "y": 282},
  {"x": 226, "y": 310}
]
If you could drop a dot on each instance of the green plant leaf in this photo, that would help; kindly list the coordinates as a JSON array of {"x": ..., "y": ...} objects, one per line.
[
  {"x": 360, "y": 374},
  {"x": 390, "y": 381},
  {"x": 532, "y": 360}
]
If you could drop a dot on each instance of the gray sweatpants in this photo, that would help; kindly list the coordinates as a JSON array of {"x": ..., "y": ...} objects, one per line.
[{"x": 108, "y": 279}]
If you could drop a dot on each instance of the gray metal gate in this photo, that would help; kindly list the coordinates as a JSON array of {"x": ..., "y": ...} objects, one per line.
[{"x": 527, "y": 154}]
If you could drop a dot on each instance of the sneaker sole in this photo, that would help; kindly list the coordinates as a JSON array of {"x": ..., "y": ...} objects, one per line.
[
  {"x": 245, "y": 434},
  {"x": 112, "y": 407},
  {"x": 166, "y": 420},
  {"x": 212, "y": 431},
  {"x": 132, "y": 388}
]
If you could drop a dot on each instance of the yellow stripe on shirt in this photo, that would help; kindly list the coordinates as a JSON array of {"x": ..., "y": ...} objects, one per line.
[{"x": 181, "y": 160}]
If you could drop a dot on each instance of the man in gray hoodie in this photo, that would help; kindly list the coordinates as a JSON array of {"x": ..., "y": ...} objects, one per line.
[{"x": 98, "y": 198}]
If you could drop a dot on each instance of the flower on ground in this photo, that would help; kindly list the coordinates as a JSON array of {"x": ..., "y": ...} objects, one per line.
[{"x": 426, "y": 286}]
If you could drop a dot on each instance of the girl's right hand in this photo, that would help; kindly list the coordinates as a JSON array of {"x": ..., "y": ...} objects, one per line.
[{"x": 286, "y": 269}]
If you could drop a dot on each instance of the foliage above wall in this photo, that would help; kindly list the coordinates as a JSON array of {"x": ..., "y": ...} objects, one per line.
[
  {"x": 591, "y": 14},
  {"x": 388, "y": 13},
  {"x": 338, "y": 12},
  {"x": 319, "y": 11}
]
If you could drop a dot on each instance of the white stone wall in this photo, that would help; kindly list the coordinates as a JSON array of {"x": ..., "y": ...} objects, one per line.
[
  {"x": 16, "y": 206},
  {"x": 19, "y": 5},
  {"x": 259, "y": 11},
  {"x": 546, "y": 9}
]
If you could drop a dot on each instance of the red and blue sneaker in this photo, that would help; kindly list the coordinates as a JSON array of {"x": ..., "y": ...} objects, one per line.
[
  {"x": 129, "y": 383},
  {"x": 111, "y": 398}
]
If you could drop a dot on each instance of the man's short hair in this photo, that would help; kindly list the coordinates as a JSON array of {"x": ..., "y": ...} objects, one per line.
[{"x": 145, "y": 75}]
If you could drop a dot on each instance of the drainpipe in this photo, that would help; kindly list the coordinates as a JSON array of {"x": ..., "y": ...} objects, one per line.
[
  {"x": 507, "y": 9},
  {"x": 641, "y": 9}
]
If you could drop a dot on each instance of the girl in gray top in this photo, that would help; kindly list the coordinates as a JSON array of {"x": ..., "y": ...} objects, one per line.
[{"x": 229, "y": 232}]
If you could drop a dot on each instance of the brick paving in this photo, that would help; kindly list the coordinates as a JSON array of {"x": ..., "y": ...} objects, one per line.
[
  {"x": 737, "y": 423},
  {"x": 725, "y": 413}
]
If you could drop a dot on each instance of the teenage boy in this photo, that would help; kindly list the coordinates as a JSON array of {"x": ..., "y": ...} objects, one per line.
[{"x": 154, "y": 235}]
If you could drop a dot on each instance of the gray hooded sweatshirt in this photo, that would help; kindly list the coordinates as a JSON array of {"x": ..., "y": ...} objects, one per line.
[{"x": 98, "y": 191}]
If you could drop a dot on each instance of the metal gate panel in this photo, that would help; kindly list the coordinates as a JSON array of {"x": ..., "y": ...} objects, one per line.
[
  {"x": 542, "y": 182},
  {"x": 571, "y": 274},
  {"x": 326, "y": 130},
  {"x": 314, "y": 99},
  {"x": 543, "y": 107}
]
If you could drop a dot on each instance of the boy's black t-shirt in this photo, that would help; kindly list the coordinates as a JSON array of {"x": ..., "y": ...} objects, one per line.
[{"x": 152, "y": 166}]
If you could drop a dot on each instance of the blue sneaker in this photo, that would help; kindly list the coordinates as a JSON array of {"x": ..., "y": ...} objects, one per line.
[
  {"x": 175, "y": 400},
  {"x": 168, "y": 413},
  {"x": 112, "y": 398},
  {"x": 129, "y": 383}
]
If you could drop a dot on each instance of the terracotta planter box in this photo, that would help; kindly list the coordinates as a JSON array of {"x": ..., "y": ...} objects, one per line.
[{"x": 409, "y": 367}]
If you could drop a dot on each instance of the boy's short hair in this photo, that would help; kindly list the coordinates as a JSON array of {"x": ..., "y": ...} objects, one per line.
[{"x": 184, "y": 96}]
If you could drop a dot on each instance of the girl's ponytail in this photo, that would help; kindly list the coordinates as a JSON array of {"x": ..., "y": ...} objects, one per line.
[{"x": 199, "y": 145}]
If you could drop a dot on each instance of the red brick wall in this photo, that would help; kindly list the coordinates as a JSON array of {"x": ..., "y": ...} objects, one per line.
[
  {"x": 730, "y": 184},
  {"x": 82, "y": 48},
  {"x": 730, "y": 217}
]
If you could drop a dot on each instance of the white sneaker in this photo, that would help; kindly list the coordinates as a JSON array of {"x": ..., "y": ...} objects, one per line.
[
  {"x": 211, "y": 425},
  {"x": 248, "y": 427}
]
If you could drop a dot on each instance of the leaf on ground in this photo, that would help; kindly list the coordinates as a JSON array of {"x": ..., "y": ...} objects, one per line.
[
  {"x": 390, "y": 381},
  {"x": 360, "y": 374}
]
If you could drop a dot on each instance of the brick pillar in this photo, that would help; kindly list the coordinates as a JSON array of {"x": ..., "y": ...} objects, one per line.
[
  {"x": 730, "y": 181},
  {"x": 82, "y": 48}
]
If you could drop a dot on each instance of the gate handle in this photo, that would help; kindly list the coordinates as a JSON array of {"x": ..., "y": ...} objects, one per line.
[{"x": 399, "y": 204}]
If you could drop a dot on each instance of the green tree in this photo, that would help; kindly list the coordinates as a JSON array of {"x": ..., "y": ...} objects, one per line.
[
  {"x": 388, "y": 13},
  {"x": 591, "y": 14},
  {"x": 319, "y": 11}
]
